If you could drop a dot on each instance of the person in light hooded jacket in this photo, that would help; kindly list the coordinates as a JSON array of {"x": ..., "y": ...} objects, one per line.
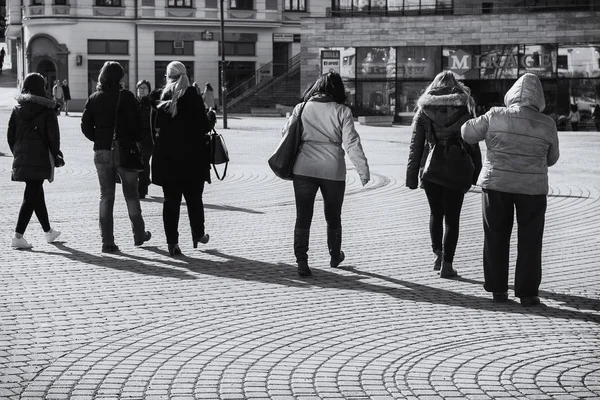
[{"x": 521, "y": 144}]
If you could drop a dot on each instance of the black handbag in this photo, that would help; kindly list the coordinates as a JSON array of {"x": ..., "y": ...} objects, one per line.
[
  {"x": 130, "y": 151},
  {"x": 283, "y": 159},
  {"x": 218, "y": 152},
  {"x": 448, "y": 163}
]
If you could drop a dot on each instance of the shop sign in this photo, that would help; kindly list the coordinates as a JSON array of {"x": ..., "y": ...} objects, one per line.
[
  {"x": 462, "y": 62},
  {"x": 206, "y": 35},
  {"x": 330, "y": 61},
  {"x": 283, "y": 37}
]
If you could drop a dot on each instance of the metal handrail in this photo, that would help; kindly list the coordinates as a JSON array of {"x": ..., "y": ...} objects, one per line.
[{"x": 294, "y": 64}]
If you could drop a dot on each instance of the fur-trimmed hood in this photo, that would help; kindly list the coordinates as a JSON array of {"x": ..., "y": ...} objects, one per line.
[
  {"x": 29, "y": 105},
  {"x": 444, "y": 106}
]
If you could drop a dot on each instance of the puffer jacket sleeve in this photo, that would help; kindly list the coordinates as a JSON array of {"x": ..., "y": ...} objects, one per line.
[
  {"x": 553, "y": 151},
  {"x": 53, "y": 132},
  {"x": 12, "y": 130},
  {"x": 417, "y": 143},
  {"x": 87, "y": 121},
  {"x": 474, "y": 130},
  {"x": 353, "y": 145}
]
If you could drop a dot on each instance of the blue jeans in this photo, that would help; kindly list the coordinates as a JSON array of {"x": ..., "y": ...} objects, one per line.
[{"x": 107, "y": 166}]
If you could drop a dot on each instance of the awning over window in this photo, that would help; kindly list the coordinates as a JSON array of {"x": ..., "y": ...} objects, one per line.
[{"x": 13, "y": 31}]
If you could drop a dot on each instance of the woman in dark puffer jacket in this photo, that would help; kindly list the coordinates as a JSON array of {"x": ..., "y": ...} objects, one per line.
[
  {"x": 444, "y": 106},
  {"x": 34, "y": 140}
]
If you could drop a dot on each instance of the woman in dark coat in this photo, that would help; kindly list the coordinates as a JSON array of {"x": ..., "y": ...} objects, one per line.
[
  {"x": 34, "y": 139},
  {"x": 180, "y": 160},
  {"x": 143, "y": 91},
  {"x": 442, "y": 109},
  {"x": 112, "y": 111}
]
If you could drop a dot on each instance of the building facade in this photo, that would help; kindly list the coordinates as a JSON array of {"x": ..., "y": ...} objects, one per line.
[
  {"x": 71, "y": 39},
  {"x": 388, "y": 51}
]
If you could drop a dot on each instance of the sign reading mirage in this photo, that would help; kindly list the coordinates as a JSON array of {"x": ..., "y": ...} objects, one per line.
[{"x": 462, "y": 62}]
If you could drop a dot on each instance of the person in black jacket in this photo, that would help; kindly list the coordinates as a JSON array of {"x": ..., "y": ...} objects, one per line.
[
  {"x": 444, "y": 106},
  {"x": 34, "y": 139},
  {"x": 112, "y": 113},
  {"x": 143, "y": 88},
  {"x": 180, "y": 160}
]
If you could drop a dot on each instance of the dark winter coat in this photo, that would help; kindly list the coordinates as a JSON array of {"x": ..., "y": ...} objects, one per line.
[
  {"x": 33, "y": 135},
  {"x": 98, "y": 119},
  {"x": 180, "y": 143},
  {"x": 443, "y": 112},
  {"x": 145, "y": 114},
  {"x": 66, "y": 92},
  {"x": 521, "y": 141}
]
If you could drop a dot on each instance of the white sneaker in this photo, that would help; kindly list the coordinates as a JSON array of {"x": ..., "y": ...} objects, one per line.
[
  {"x": 20, "y": 243},
  {"x": 51, "y": 235}
]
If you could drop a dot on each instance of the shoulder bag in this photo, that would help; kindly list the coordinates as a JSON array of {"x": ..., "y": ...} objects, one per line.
[
  {"x": 283, "y": 159},
  {"x": 130, "y": 152},
  {"x": 218, "y": 152},
  {"x": 448, "y": 163}
]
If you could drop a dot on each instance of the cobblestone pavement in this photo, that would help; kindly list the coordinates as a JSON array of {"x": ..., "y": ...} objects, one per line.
[{"x": 232, "y": 320}]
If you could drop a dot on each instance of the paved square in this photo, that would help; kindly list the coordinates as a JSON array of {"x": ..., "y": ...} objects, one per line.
[{"x": 232, "y": 320}]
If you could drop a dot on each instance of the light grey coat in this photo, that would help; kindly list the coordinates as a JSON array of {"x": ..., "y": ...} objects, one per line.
[
  {"x": 521, "y": 141},
  {"x": 328, "y": 125}
]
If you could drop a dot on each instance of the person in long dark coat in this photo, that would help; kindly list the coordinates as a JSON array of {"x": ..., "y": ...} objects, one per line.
[
  {"x": 34, "y": 139},
  {"x": 180, "y": 160},
  {"x": 143, "y": 91}
]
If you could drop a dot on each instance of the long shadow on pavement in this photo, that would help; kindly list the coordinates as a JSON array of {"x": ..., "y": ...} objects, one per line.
[
  {"x": 156, "y": 199},
  {"x": 283, "y": 274}
]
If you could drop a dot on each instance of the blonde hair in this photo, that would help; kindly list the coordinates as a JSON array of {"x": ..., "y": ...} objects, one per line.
[
  {"x": 449, "y": 79},
  {"x": 177, "y": 84}
]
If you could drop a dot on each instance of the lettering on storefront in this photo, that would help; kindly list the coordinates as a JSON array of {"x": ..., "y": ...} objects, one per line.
[
  {"x": 330, "y": 61},
  {"x": 462, "y": 62}
]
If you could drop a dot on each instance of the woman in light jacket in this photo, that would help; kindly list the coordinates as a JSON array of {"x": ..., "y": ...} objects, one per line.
[
  {"x": 444, "y": 106},
  {"x": 521, "y": 144},
  {"x": 320, "y": 164}
]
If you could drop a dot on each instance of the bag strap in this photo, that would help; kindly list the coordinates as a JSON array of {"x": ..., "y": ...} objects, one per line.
[
  {"x": 116, "y": 115},
  {"x": 224, "y": 171}
]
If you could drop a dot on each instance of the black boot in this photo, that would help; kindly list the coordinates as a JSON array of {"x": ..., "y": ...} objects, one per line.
[
  {"x": 334, "y": 243},
  {"x": 301, "y": 237}
]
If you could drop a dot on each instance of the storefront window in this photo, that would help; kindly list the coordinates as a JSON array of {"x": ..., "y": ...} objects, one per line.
[
  {"x": 375, "y": 98},
  {"x": 499, "y": 62},
  {"x": 418, "y": 62},
  {"x": 538, "y": 59},
  {"x": 583, "y": 93},
  {"x": 579, "y": 61},
  {"x": 376, "y": 62},
  {"x": 350, "y": 93},
  {"x": 407, "y": 95},
  {"x": 348, "y": 64},
  {"x": 462, "y": 61}
]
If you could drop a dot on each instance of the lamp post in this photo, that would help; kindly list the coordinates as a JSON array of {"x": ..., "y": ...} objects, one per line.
[{"x": 223, "y": 84}]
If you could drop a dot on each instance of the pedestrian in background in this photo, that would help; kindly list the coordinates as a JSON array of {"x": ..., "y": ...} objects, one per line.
[
  {"x": 574, "y": 117},
  {"x": 59, "y": 96},
  {"x": 67, "y": 95},
  {"x": 113, "y": 113},
  {"x": 441, "y": 110},
  {"x": 143, "y": 89},
  {"x": 180, "y": 160},
  {"x": 209, "y": 97},
  {"x": 521, "y": 144},
  {"x": 327, "y": 124},
  {"x": 596, "y": 116},
  {"x": 2, "y": 54},
  {"x": 34, "y": 140}
]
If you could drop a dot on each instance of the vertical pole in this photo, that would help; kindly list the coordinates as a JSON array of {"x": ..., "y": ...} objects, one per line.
[{"x": 223, "y": 83}]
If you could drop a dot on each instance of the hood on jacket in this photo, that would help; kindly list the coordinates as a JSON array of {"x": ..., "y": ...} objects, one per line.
[
  {"x": 527, "y": 91},
  {"x": 29, "y": 105},
  {"x": 444, "y": 106}
]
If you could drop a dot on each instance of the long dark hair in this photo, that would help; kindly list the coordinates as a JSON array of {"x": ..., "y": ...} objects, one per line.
[
  {"x": 34, "y": 84},
  {"x": 329, "y": 84},
  {"x": 110, "y": 76}
]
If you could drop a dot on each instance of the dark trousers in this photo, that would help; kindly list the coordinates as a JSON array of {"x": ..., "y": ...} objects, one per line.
[
  {"x": 144, "y": 176},
  {"x": 305, "y": 191},
  {"x": 192, "y": 191},
  {"x": 445, "y": 206},
  {"x": 498, "y": 214},
  {"x": 33, "y": 201}
]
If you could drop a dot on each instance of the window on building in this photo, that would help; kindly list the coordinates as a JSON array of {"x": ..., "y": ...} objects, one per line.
[
  {"x": 108, "y": 3},
  {"x": 579, "y": 60},
  {"x": 37, "y": 2},
  {"x": 239, "y": 49},
  {"x": 418, "y": 62},
  {"x": 160, "y": 69},
  {"x": 174, "y": 47},
  {"x": 376, "y": 62},
  {"x": 60, "y": 2},
  {"x": 487, "y": 8},
  {"x": 499, "y": 62},
  {"x": 236, "y": 72},
  {"x": 108, "y": 46},
  {"x": 94, "y": 67},
  {"x": 538, "y": 59},
  {"x": 295, "y": 5},
  {"x": 180, "y": 3},
  {"x": 241, "y": 4}
]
